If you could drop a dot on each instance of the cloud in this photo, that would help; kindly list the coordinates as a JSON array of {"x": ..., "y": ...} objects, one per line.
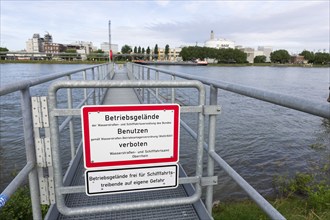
[
  {"x": 145, "y": 23},
  {"x": 162, "y": 3}
]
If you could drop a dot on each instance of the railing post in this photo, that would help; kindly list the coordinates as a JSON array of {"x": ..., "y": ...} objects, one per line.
[
  {"x": 210, "y": 161},
  {"x": 142, "y": 89},
  {"x": 148, "y": 93},
  {"x": 95, "y": 89},
  {"x": 101, "y": 78},
  {"x": 173, "y": 91},
  {"x": 85, "y": 89},
  {"x": 30, "y": 151},
  {"x": 157, "y": 79},
  {"x": 71, "y": 127}
]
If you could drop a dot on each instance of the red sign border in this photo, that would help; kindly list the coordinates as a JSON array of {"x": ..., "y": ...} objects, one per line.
[{"x": 106, "y": 108}]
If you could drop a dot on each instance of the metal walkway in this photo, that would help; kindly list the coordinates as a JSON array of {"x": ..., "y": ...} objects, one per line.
[
  {"x": 75, "y": 177},
  {"x": 117, "y": 96}
]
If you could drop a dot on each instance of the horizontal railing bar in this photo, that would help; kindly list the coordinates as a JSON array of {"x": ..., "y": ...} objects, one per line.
[
  {"x": 16, "y": 182},
  {"x": 82, "y": 188},
  {"x": 130, "y": 205},
  {"x": 261, "y": 202},
  {"x": 303, "y": 105},
  {"x": 254, "y": 195},
  {"x": 67, "y": 112},
  {"x": 68, "y": 119}
]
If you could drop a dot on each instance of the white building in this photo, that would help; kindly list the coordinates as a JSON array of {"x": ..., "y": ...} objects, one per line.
[
  {"x": 252, "y": 53},
  {"x": 173, "y": 55},
  {"x": 267, "y": 50},
  {"x": 34, "y": 45},
  {"x": 219, "y": 43},
  {"x": 85, "y": 47},
  {"x": 105, "y": 47}
]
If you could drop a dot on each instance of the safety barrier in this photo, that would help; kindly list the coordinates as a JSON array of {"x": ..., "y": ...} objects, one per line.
[
  {"x": 141, "y": 72},
  {"x": 32, "y": 167},
  {"x": 149, "y": 89}
]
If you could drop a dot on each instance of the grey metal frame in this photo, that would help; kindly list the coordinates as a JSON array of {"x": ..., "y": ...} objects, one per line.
[
  {"x": 317, "y": 109},
  {"x": 104, "y": 71},
  {"x": 61, "y": 190},
  {"x": 296, "y": 103}
]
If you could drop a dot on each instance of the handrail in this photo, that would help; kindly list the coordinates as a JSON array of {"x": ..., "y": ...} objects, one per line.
[
  {"x": 303, "y": 105},
  {"x": 318, "y": 109},
  {"x": 104, "y": 71},
  {"x": 16, "y": 86}
]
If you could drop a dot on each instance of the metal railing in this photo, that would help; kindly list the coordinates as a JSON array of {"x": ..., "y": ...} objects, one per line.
[
  {"x": 138, "y": 72},
  {"x": 94, "y": 88},
  {"x": 61, "y": 190},
  {"x": 30, "y": 170}
]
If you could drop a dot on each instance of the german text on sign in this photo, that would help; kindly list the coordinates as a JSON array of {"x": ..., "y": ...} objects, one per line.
[
  {"x": 129, "y": 135},
  {"x": 131, "y": 179}
]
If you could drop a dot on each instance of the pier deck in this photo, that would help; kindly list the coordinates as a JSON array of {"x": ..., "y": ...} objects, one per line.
[{"x": 75, "y": 177}]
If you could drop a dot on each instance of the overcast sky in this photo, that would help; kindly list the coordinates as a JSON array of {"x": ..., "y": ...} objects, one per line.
[{"x": 290, "y": 25}]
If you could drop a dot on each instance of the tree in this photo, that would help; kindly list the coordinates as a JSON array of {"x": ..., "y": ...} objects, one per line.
[
  {"x": 280, "y": 56},
  {"x": 98, "y": 55},
  {"x": 70, "y": 54},
  {"x": 308, "y": 56},
  {"x": 126, "y": 49},
  {"x": 148, "y": 50},
  {"x": 156, "y": 51},
  {"x": 3, "y": 53},
  {"x": 139, "y": 49},
  {"x": 135, "y": 49},
  {"x": 71, "y": 51},
  {"x": 322, "y": 58},
  {"x": 167, "y": 51},
  {"x": 222, "y": 55},
  {"x": 99, "y": 51},
  {"x": 260, "y": 59},
  {"x": 3, "y": 49}
]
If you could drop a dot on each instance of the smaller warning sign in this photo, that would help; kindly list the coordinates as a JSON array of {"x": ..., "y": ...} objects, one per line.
[{"x": 100, "y": 182}]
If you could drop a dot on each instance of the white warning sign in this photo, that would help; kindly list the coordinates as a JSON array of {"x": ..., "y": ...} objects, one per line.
[
  {"x": 130, "y": 135},
  {"x": 100, "y": 182}
]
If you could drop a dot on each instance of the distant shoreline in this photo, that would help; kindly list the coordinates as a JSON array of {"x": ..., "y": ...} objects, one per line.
[{"x": 121, "y": 62}]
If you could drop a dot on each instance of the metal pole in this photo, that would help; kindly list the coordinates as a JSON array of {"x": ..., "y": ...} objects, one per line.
[
  {"x": 148, "y": 93},
  {"x": 109, "y": 39},
  {"x": 210, "y": 161},
  {"x": 157, "y": 79},
  {"x": 69, "y": 95},
  {"x": 173, "y": 92},
  {"x": 142, "y": 89},
  {"x": 30, "y": 151},
  {"x": 85, "y": 90}
]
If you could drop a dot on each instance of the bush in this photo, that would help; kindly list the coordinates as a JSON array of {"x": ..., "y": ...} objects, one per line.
[{"x": 19, "y": 206}]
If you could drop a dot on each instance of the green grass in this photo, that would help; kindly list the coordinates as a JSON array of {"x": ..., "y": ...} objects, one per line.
[
  {"x": 305, "y": 196},
  {"x": 19, "y": 206},
  {"x": 292, "y": 208}
]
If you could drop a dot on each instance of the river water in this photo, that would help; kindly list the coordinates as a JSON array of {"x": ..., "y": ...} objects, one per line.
[{"x": 259, "y": 140}]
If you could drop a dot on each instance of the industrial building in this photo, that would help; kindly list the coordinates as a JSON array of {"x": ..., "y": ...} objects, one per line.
[{"x": 221, "y": 43}]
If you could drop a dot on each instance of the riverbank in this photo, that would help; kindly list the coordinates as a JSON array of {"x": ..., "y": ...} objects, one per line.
[
  {"x": 267, "y": 64},
  {"x": 57, "y": 62},
  {"x": 305, "y": 196},
  {"x": 122, "y": 62}
]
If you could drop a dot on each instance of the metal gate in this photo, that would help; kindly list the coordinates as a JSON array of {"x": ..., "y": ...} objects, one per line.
[{"x": 62, "y": 190}]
